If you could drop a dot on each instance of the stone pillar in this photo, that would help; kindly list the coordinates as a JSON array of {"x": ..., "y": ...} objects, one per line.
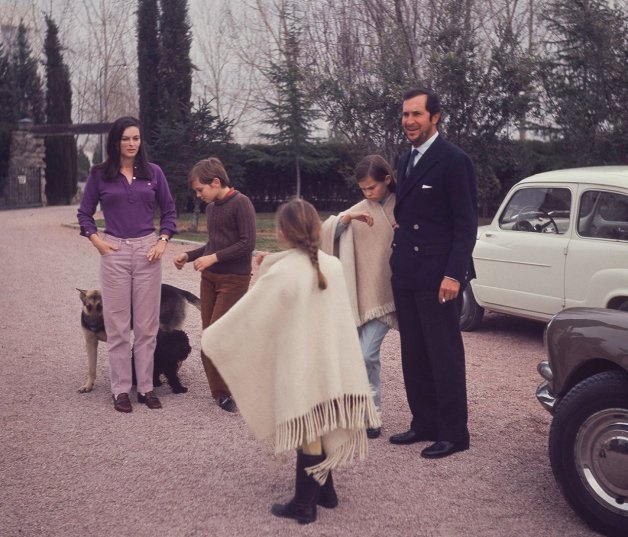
[{"x": 26, "y": 183}]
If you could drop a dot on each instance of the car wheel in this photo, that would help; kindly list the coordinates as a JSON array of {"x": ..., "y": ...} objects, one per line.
[
  {"x": 470, "y": 312},
  {"x": 588, "y": 448},
  {"x": 623, "y": 306}
]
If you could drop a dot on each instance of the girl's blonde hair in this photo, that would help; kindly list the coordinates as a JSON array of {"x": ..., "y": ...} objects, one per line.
[
  {"x": 207, "y": 169},
  {"x": 300, "y": 225}
]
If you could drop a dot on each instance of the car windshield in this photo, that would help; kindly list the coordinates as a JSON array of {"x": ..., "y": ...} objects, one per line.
[{"x": 541, "y": 209}]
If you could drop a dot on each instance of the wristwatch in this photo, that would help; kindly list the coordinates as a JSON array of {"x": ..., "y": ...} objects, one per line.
[{"x": 164, "y": 239}]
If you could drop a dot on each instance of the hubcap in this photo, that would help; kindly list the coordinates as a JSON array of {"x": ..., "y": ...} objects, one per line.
[{"x": 601, "y": 456}]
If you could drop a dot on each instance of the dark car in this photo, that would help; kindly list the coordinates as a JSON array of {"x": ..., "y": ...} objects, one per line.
[{"x": 586, "y": 390}]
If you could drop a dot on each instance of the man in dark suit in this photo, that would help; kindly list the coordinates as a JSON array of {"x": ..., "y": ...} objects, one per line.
[{"x": 436, "y": 214}]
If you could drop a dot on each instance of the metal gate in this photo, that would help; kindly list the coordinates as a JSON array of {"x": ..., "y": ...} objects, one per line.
[{"x": 23, "y": 188}]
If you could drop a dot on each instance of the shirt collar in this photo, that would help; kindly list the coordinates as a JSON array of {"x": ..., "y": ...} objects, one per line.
[{"x": 426, "y": 145}]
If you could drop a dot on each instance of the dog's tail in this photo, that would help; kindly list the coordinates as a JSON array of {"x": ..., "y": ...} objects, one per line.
[{"x": 190, "y": 297}]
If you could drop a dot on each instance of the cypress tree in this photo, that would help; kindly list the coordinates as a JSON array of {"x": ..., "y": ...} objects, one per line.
[
  {"x": 8, "y": 113},
  {"x": 7, "y": 97},
  {"x": 29, "y": 96},
  {"x": 61, "y": 152},
  {"x": 148, "y": 66},
  {"x": 175, "y": 65}
]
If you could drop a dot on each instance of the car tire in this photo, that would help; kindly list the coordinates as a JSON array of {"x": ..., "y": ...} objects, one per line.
[
  {"x": 471, "y": 313},
  {"x": 588, "y": 449}
]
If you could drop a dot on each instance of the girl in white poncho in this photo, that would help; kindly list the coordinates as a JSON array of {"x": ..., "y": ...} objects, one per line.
[{"x": 290, "y": 353}]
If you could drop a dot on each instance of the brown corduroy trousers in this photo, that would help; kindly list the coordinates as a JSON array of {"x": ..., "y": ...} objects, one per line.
[{"x": 218, "y": 293}]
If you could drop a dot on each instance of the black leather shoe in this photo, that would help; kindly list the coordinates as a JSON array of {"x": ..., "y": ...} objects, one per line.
[
  {"x": 303, "y": 514},
  {"x": 410, "y": 437},
  {"x": 327, "y": 496},
  {"x": 443, "y": 448},
  {"x": 373, "y": 432}
]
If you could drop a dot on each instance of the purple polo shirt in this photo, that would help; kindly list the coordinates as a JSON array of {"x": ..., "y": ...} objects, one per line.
[{"x": 128, "y": 208}]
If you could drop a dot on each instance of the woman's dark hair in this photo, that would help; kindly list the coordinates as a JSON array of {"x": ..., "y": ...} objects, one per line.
[
  {"x": 111, "y": 165},
  {"x": 432, "y": 104},
  {"x": 377, "y": 168}
]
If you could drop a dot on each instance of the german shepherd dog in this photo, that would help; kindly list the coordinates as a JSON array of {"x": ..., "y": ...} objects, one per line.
[{"x": 171, "y": 317}]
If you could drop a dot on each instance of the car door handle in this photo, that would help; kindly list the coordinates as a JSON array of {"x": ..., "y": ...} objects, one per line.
[{"x": 488, "y": 235}]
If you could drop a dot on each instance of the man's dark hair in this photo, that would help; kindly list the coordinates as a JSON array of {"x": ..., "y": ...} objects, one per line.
[{"x": 433, "y": 103}]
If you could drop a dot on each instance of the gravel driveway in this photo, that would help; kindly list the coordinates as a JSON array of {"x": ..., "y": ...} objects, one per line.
[{"x": 72, "y": 466}]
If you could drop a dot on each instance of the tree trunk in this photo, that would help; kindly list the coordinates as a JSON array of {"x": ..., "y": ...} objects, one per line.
[{"x": 298, "y": 169}]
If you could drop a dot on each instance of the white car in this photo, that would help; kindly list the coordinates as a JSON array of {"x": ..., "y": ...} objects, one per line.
[{"x": 558, "y": 240}]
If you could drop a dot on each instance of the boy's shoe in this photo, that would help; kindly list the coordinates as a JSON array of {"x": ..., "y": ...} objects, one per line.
[{"x": 227, "y": 403}]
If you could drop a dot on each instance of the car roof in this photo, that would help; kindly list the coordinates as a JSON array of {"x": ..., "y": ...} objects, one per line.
[{"x": 599, "y": 175}]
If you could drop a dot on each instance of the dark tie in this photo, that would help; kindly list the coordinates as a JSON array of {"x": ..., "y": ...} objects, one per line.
[{"x": 410, "y": 165}]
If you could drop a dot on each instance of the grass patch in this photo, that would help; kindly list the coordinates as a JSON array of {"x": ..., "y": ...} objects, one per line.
[{"x": 264, "y": 223}]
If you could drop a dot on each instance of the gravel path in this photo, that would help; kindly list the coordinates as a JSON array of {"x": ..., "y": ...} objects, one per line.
[{"x": 71, "y": 466}]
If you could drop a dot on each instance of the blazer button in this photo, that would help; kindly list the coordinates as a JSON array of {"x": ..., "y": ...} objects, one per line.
[
  {"x": 394, "y": 244},
  {"x": 416, "y": 248},
  {"x": 416, "y": 226}
]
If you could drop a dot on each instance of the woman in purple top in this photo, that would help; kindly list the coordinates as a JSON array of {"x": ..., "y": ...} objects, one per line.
[{"x": 129, "y": 188}]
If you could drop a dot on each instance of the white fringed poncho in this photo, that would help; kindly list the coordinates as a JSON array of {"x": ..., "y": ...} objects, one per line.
[{"x": 290, "y": 354}]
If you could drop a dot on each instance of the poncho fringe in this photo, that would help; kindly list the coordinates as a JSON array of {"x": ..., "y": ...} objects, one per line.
[{"x": 349, "y": 412}]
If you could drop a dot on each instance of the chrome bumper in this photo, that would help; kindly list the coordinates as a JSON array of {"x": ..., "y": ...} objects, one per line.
[
  {"x": 546, "y": 399},
  {"x": 543, "y": 393}
]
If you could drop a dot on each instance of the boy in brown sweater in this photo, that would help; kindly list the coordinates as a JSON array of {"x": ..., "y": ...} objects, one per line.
[{"x": 225, "y": 261}]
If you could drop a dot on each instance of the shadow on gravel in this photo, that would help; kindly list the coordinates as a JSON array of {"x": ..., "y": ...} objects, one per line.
[{"x": 508, "y": 325}]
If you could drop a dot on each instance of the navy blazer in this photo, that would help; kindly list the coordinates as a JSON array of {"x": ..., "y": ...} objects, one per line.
[{"x": 436, "y": 211}]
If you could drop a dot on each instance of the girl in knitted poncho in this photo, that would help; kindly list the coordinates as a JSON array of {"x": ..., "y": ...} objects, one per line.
[
  {"x": 291, "y": 355},
  {"x": 361, "y": 237}
]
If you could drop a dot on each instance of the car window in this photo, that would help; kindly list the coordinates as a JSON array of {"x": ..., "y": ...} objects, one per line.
[
  {"x": 603, "y": 215},
  {"x": 538, "y": 210}
]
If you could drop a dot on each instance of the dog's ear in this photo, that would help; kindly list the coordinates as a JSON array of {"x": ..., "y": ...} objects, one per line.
[{"x": 82, "y": 293}]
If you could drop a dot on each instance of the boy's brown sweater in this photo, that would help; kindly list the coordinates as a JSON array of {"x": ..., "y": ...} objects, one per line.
[{"x": 231, "y": 232}]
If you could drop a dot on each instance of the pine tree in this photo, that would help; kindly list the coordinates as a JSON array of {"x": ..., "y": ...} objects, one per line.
[
  {"x": 61, "y": 152},
  {"x": 29, "y": 96},
  {"x": 148, "y": 66},
  {"x": 585, "y": 76},
  {"x": 175, "y": 65},
  {"x": 291, "y": 113}
]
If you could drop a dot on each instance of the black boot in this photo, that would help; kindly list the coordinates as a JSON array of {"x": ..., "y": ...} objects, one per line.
[
  {"x": 303, "y": 506},
  {"x": 327, "y": 497}
]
